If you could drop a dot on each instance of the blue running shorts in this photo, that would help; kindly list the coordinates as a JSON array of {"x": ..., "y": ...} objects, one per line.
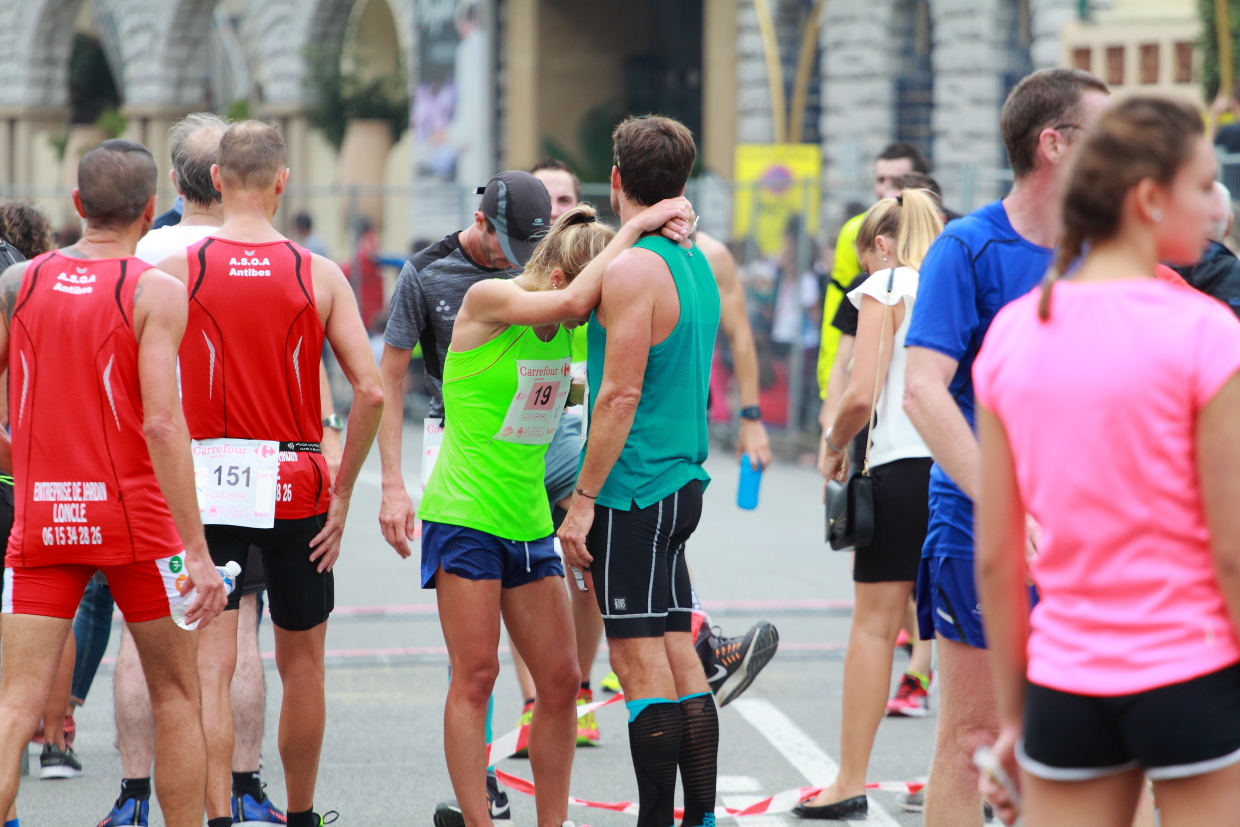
[
  {"x": 947, "y": 601},
  {"x": 477, "y": 555}
]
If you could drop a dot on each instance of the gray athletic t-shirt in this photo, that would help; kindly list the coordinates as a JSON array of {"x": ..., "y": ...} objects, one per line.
[{"x": 428, "y": 294}]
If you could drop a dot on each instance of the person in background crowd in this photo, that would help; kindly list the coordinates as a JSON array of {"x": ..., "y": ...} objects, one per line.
[
  {"x": 303, "y": 231},
  {"x": 981, "y": 262},
  {"x": 895, "y": 160},
  {"x": 891, "y": 243},
  {"x": 26, "y": 227},
  {"x": 562, "y": 185},
  {"x": 1112, "y": 381},
  {"x": 1218, "y": 272}
]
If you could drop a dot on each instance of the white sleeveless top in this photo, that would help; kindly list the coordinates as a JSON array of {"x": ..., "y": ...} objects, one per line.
[{"x": 894, "y": 437}]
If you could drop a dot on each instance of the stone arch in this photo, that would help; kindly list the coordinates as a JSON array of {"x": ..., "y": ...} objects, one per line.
[
  {"x": 164, "y": 50},
  {"x": 35, "y": 41}
]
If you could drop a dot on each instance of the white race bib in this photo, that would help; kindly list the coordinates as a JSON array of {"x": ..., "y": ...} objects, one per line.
[
  {"x": 432, "y": 438},
  {"x": 236, "y": 481},
  {"x": 535, "y": 410}
]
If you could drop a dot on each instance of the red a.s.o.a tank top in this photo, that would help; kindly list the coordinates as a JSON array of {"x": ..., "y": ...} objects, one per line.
[
  {"x": 250, "y": 359},
  {"x": 84, "y": 488}
]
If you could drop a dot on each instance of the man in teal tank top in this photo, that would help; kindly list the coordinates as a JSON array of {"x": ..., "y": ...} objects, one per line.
[{"x": 639, "y": 491}]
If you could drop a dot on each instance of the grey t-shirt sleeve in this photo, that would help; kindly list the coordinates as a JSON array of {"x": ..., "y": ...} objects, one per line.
[{"x": 407, "y": 315}]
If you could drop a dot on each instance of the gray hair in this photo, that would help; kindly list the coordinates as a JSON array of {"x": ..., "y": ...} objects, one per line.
[
  {"x": 194, "y": 153},
  {"x": 1219, "y": 230}
]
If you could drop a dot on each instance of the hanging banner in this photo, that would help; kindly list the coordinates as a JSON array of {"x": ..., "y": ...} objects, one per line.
[{"x": 775, "y": 182}]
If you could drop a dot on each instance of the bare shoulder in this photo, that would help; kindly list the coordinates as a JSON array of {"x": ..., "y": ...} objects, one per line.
[
  {"x": 326, "y": 273},
  {"x": 10, "y": 286},
  {"x": 175, "y": 265},
  {"x": 636, "y": 272},
  {"x": 157, "y": 288}
]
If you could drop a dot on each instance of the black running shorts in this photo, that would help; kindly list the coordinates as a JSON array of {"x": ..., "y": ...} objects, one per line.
[
  {"x": 255, "y": 577},
  {"x": 901, "y": 513},
  {"x": 1177, "y": 731},
  {"x": 640, "y": 577},
  {"x": 299, "y": 596}
]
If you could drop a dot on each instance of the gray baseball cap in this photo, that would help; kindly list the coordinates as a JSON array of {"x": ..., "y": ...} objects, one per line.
[{"x": 518, "y": 206}]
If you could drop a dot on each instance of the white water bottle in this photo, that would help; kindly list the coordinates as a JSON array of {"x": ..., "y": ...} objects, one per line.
[{"x": 180, "y": 605}]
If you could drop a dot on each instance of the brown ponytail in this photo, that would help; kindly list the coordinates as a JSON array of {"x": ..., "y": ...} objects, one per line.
[{"x": 1142, "y": 137}]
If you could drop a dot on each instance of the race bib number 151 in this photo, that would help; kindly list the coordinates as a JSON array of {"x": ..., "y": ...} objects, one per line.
[{"x": 236, "y": 481}]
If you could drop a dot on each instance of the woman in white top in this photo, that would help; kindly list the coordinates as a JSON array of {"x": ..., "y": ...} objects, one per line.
[{"x": 891, "y": 243}]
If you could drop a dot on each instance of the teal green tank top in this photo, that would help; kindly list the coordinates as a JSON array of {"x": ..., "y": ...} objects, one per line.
[
  {"x": 668, "y": 442},
  {"x": 502, "y": 403}
]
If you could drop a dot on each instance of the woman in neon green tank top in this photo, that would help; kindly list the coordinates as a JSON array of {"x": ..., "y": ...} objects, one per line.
[{"x": 487, "y": 533}]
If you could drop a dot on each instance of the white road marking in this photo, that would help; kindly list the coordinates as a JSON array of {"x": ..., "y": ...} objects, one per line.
[
  {"x": 738, "y": 784},
  {"x": 799, "y": 749}
]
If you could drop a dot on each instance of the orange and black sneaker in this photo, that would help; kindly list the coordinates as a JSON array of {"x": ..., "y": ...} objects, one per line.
[
  {"x": 587, "y": 725},
  {"x": 732, "y": 663}
]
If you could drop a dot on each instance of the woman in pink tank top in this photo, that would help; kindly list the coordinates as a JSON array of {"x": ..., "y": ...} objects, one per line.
[{"x": 1109, "y": 411}]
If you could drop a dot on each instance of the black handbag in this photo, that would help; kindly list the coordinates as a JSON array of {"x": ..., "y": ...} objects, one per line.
[{"x": 850, "y": 504}]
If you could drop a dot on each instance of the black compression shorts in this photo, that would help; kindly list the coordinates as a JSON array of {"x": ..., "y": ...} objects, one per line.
[
  {"x": 640, "y": 577},
  {"x": 299, "y": 595}
]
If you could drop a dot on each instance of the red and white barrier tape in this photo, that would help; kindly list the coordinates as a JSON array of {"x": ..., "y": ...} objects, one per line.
[
  {"x": 781, "y": 802},
  {"x": 511, "y": 743}
]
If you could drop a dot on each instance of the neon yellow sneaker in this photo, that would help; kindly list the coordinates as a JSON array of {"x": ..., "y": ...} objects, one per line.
[
  {"x": 611, "y": 683},
  {"x": 527, "y": 716},
  {"x": 587, "y": 725}
]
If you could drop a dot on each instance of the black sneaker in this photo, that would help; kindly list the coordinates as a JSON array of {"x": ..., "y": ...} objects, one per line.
[
  {"x": 731, "y": 663},
  {"x": 57, "y": 763},
  {"x": 448, "y": 813}
]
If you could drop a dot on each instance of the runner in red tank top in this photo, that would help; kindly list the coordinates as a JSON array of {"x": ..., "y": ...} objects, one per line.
[
  {"x": 260, "y": 307},
  {"x": 104, "y": 483}
]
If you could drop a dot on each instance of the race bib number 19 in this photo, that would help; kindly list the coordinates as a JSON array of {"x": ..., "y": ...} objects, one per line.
[
  {"x": 236, "y": 481},
  {"x": 535, "y": 410}
]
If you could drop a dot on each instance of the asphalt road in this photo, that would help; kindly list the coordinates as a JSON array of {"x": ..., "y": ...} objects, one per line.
[{"x": 383, "y": 763}]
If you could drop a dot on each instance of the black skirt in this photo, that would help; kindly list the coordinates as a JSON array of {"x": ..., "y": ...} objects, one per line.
[{"x": 901, "y": 512}]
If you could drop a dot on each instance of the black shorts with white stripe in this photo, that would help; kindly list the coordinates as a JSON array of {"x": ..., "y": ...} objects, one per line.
[{"x": 641, "y": 581}]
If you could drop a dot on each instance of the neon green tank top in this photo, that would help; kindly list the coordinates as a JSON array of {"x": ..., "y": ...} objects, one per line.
[{"x": 502, "y": 403}]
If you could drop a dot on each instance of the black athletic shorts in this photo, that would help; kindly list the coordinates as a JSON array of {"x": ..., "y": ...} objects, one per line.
[
  {"x": 901, "y": 513},
  {"x": 299, "y": 596},
  {"x": 6, "y": 521},
  {"x": 1177, "y": 731},
  {"x": 640, "y": 577},
  {"x": 255, "y": 576}
]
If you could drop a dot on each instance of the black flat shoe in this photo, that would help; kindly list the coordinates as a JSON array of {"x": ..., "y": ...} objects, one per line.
[{"x": 850, "y": 809}]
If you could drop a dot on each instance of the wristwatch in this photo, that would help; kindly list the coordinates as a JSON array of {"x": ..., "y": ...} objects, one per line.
[
  {"x": 753, "y": 412},
  {"x": 333, "y": 422}
]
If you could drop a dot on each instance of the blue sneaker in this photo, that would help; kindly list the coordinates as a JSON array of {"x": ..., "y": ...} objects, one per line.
[
  {"x": 131, "y": 811},
  {"x": 247, "y": 811}
]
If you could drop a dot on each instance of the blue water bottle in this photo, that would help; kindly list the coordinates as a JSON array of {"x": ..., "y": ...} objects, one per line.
[{"x": 747, "y": 490}]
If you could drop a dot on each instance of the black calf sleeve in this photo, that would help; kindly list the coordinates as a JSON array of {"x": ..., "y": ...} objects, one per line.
[
  {"x": 699, "y": 758},
  {"x": 654, "y": 741}
]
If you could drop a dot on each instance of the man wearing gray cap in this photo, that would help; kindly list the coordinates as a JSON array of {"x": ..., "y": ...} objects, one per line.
[{"x": 514, "y": 213}]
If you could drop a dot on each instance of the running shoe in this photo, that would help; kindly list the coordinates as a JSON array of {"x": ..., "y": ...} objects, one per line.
[
  {"x": 611, "y": 683},
  {"x": 732, "y": 663},
  {"x": 913, "y": 802},
  {"x": 251, "y": 813},
  {"x": 527, "y": 717},
  {"x": 327, "y": 817},
  {"x": 912, "y": 699},
  {"x": 131, "y": 811},
  {"x": 70, "y": 732},
  {"x": 902, "y": 642},
  {"x": 587, "y": 725},
  {"x": 57, "y": 763},
  {"x": 448, "y": 813}
]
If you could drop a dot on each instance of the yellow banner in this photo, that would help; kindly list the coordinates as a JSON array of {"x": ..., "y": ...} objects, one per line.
[{"x": 775, "y": 182}]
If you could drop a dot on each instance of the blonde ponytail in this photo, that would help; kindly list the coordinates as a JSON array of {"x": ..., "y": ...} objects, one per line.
[{"x": 912, "y": 219}]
